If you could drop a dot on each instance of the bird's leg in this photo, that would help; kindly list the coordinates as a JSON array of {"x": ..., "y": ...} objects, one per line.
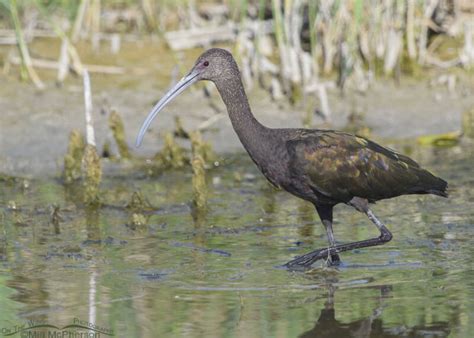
[
  {"x": 309, "y": 258},
  {"x": 325, "y": 213},
  {"x": 334, "y": 257}
]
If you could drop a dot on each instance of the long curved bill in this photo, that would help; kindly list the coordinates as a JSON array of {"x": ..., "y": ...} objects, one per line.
[{"x": 184, "y": 83}]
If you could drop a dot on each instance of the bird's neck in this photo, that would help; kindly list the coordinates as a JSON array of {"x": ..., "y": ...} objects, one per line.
[{"x": 251, "y": 133}]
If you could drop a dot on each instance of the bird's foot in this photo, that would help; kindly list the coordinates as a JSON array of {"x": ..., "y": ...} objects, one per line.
[{"x": 305, "y": 261}]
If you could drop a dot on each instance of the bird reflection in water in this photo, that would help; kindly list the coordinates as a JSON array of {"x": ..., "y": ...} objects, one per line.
[{"x": 327, "y": 326}]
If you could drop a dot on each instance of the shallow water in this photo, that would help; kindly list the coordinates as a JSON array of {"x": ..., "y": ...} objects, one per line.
[{"x": 217, "y": 275}]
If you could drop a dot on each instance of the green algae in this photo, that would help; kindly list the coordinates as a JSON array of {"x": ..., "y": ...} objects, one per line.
[
  {"x": 172, "y": 155},
  {"x": 200, "y": 152},
  {"x": 202, "y": 148},
  {"x": 137, "y": 221},
  {"x": 199, "y": 182},
  {"x": 441, "y": 140},
  {"x": 118, "y": 131},
  {"x": 92, "y": 175},
  {"x": 138, "y": 202},
  {"x": 73, "y": 157}
]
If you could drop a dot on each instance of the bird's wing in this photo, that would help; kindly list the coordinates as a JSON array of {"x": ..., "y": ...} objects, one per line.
[{"x": 341, "y": 166}]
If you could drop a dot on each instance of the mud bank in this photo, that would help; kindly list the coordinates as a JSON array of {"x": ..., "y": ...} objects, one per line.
[{"x": 34, "y": 126}]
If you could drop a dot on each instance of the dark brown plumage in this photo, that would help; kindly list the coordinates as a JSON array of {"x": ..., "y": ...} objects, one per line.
[
  {"x": 324, "y": 167},
  {"x": 341, "y": 166}
]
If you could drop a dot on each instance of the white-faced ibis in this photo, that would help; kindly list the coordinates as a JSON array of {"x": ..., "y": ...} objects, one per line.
[{"x": 324, "y": 167}]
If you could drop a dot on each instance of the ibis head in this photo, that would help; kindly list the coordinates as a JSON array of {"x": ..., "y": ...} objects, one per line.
[{"x": 214, "y": 65}]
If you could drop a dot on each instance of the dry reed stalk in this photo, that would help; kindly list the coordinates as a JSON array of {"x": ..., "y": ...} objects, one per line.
[
  {"x": 9, "y": 34},
  {"x": 295, "y": 23},
  {"x": 63, "y": 62},
  {"x": 95, "y": 10},
  {"x": 321, "y": 92},
  {"x": 296, "y": 65},
  {"x": 394, "y": 43},
  {"x": 8, "y": 39},
  {"x": 323, "y": 99},
  {"x": 394, "y": 37},
  {"x": 328, "y": 50},
  {"x": 76, "y": 63},
  {"x": 276, "y": 90},
  {"x": 115, "y": 42},
  {"x": 431, "y": 60},
  {"x": 23, "y": 48},
  {"x": 281, "y": 44},
  {"x": 48, "y": 64},
  {"x": 195, "y": 20},
  {"x": 210, "y": 121},
  {"x": 364, "y": 45},
  {"x": 308, "y": 68},
  {"x": 467, "y": 54},
  {"x": 410, "y": 33},
  {"x": 148, "y": 8},
  {"x": 330, "y": 28},
  {"x": 79, "y": 21},
  {"x": 189, "y": 38},
  {"x": 429, "y": 8},
  {"x": 90, "y": 135}
]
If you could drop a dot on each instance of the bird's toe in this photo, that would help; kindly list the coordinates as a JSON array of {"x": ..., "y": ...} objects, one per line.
[{"x": 307, "y": 260}]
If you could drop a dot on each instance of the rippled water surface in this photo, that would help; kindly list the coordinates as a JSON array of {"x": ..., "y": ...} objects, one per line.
[{"x": 216, "y": 274}]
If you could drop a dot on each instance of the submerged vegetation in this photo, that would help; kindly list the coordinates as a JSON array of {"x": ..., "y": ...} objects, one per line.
[
  {"x": 118, "y": 130},
  {"x": 138, "y": 265},
  {"x": 92, "y": 175},
  {"x": 200, "y": 154},
  {"x": 73, "y": 157}
]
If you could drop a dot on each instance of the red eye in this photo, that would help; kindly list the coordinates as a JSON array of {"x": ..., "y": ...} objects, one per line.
[{"x": 206, "y": 63}]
